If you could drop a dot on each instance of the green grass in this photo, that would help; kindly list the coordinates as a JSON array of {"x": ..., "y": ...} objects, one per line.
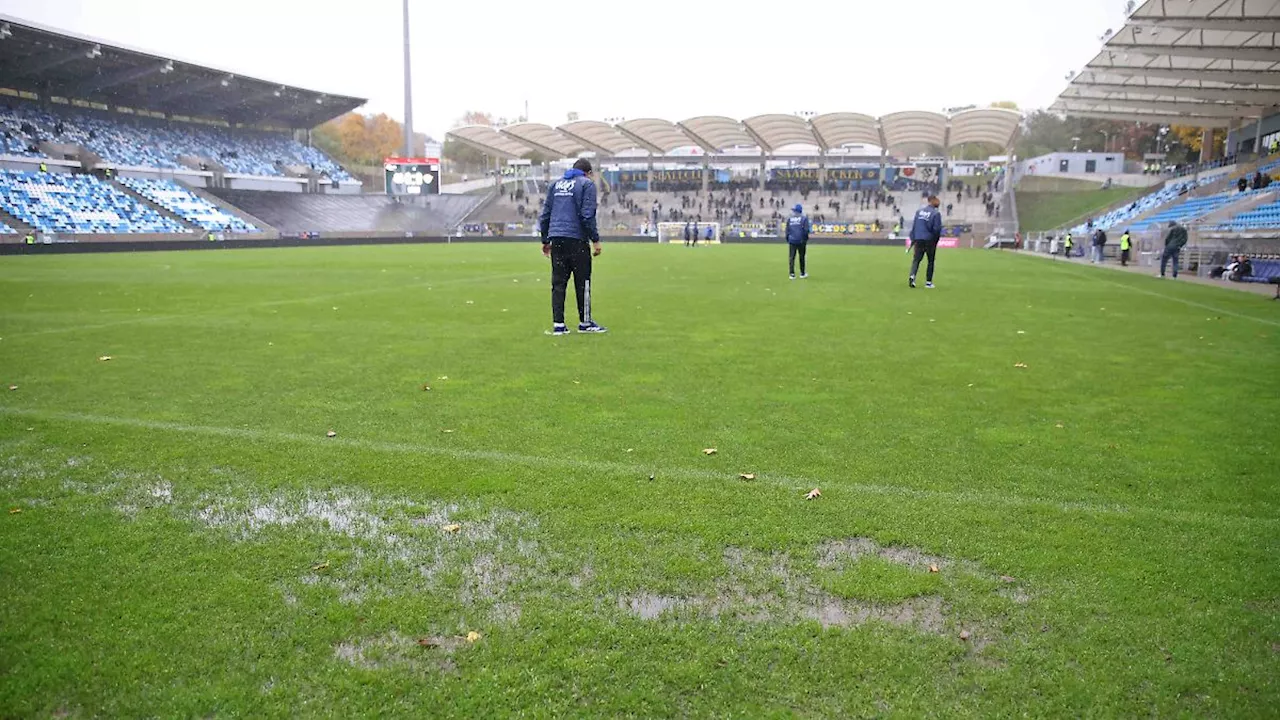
[
  {"x": 1041, "y": 211},
  {"x": 1105, "y": 521}
]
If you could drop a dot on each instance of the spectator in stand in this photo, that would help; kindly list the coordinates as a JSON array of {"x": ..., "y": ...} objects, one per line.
[
  {"x": 1243, "y": 184},
  {"x": 949, "y": 209}
]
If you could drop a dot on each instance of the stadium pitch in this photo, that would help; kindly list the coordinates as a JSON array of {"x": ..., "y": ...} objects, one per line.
[{"x": 1043, "y": 489}]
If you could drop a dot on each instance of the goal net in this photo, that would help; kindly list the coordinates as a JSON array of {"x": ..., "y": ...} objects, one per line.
[{"x": 673, "y": 232}]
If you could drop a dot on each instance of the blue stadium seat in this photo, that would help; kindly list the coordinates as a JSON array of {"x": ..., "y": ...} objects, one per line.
[
  {"x": 187, "y": 205},
  {"x": 65, "y": 203},
  {"x": 148, "y": 142}
]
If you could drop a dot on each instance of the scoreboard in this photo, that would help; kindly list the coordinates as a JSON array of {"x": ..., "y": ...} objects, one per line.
[{"x": 412, "y": 176}]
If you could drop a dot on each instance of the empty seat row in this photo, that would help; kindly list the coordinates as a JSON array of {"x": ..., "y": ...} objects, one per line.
[
  {"x": 65, "y": 203},
  {"x": 148, "y": 142},
  {"x": 187, "y": 205}
]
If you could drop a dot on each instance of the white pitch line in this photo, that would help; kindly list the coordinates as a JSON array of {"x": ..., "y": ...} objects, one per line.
[
  {"x": 1094, "y": 276},
  {"x": 791, "y": 483},
  {"x": 266, "y": 303}
]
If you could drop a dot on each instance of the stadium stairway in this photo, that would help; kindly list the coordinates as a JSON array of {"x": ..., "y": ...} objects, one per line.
[
  {"x": 227, "y": 207},
  {"x": 14, "y": 223},
  {"x": 120, "y": 188},
  {"x": 351, "y": 214}
]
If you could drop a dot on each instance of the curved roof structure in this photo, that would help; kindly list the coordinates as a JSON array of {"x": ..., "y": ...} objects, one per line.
[
  {"x": 601, "y": 137},
  {"x": 545, "y": 138},
  {"x": 985, "y": 125},
  {"x": 715, "y": 134},
  {"x": 914, "y": 128},
  {"x": 845, "y": 128},
  {"x": 774, "y": 131},
  {"x": 656, "y": 136},
  {"x": 489, "y": 140},
  {"x": 1191, "y": 62}
]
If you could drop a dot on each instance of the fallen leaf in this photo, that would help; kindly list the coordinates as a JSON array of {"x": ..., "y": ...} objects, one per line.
[
  {"x": 932, "y": 320},
  {"x": 1006, "y": 578},
  {"x": 1020, "y": 365},
  {"x": 964, "y": 634},
  {"x": 970, "y": 384},
  {"x": 104, "y": 358},
  {"x": 335, "y": 307},
  {"x": 651, "y": 476},
  {"x": 473, "y": 636},
  {"x": 1022, "y": 332},
  {"x": 426, "y": 388},
  {"x": 1058, "y": 425},
  {"x": 933, "y": 568},
  {"x": 331, "y": 434},
  {"x": 452, "y": 528},
  {"x": 813, "y": 494},
  {"x": 471, "y": 302},
  {"x": 575, "y": 382},
  {"x": 631, "y": 449},
  {"x": 13, "y": 387},
  {"x": 15, "y": 511},
  {"x": 443, "y": 377},
  {"x": 446, "y": 431},
  {"x": 428, "y": 642},
  {"x": 322, "y": 566},
  {"x": 747, "y": 476},
  {"x": 709, "y": 451}
]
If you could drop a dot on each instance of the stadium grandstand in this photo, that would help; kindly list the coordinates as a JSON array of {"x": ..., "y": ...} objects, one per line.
[
  {"x": 100, "y": 142},
  {"x": 1215, "y": 67},
  {"x": 857, "y": 173}
]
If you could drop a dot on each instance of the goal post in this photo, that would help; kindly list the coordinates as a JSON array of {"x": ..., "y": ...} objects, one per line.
[{"x": 673, "y": 232}]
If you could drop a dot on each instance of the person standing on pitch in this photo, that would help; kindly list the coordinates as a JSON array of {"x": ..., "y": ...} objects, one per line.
[
  {"x": 797, "y": 240},
  {"x": 1173, "y": 243},
  {"x": 925, "y": 233},
  {"x": 567, "y": 224}
]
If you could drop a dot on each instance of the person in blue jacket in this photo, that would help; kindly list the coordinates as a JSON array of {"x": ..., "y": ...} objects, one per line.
[
  {"x": 925, "y": 233},
  {"x": 567, "y": 225},
  {"x": 797, "y": 240}
]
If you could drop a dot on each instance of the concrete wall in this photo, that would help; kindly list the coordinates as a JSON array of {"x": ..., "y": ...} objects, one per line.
[
  {"x": 18, "y": 162},
  {"x": 269, "y": 184}
]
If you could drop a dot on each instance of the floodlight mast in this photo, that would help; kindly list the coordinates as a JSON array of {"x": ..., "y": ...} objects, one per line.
[{"x": 408, "y": 89}]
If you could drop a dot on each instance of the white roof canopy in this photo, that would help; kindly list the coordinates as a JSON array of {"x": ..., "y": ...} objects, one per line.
[
  {"x": 1206, "y": 63},
  {"x": 716, "y": 134}
]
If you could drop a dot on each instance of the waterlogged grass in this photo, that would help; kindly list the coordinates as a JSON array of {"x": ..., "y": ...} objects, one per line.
[{"x": 1087, "y": 458}]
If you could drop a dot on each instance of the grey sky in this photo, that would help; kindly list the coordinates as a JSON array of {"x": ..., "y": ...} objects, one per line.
[{"x": 645, "y": 58}]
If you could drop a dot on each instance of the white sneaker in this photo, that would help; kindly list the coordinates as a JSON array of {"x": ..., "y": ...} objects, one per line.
[
  {"x": 804, "y": 276},
  {"x": 929, "y": 285},
  {"x": 793, "y": 277}
]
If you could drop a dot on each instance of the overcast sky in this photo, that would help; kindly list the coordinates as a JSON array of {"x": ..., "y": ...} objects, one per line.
[{"x": 640, "y": 58}]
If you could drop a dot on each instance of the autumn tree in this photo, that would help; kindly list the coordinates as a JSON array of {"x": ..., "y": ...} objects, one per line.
[{"x": 355, "y": 139}]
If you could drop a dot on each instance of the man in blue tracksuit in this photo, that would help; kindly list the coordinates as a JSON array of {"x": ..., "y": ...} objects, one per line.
[
  {"x": 797, "y": 240},
  {"x": 925, "y": 233},
  {"x": 567, "y": 224}
]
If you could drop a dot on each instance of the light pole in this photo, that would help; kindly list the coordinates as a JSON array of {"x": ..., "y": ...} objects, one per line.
[{"x": 408, "y": 89}]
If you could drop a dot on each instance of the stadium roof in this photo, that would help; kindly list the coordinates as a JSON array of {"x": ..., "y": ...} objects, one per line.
[
  {"x": 715, "y": 134},
  {"x": 1205, "y": 63},
  {"x": 49, "y": 62}
]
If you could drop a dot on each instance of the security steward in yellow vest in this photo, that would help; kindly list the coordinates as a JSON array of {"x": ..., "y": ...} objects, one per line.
[
  {"x": 29, "y": 239},
  {"x": 1126, "y": 244},
  {"x": 1066, "y": 243}
]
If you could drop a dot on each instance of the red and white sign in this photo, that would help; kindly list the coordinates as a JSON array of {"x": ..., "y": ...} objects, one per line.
[{"x": 412, "y": 161}]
